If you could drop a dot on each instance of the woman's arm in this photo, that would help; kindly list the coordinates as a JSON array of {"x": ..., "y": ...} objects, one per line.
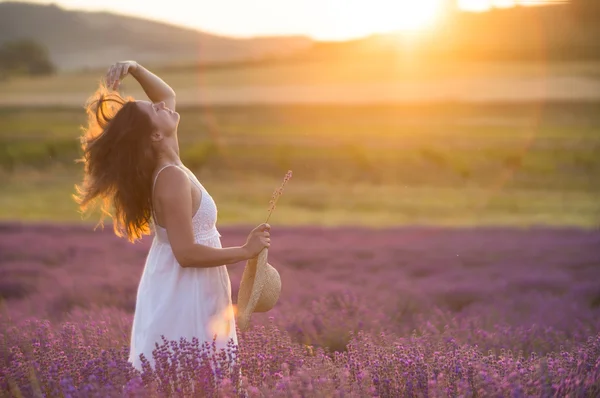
[
  {"x": 155, "y": 88},
  {"x": 172, "y": 195}
]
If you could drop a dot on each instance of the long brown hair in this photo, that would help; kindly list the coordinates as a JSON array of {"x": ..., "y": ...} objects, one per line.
[{"x": 119, "y": 162}]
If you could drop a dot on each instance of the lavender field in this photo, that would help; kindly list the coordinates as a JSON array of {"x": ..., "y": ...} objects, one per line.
[{"x": 383, "y": 312}]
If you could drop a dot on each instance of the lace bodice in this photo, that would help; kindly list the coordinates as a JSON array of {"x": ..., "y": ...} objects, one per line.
[{"x": 204, "y": 222}]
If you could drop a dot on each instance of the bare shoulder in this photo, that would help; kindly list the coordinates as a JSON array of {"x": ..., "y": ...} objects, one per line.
[{"x": 171, "y": 183}]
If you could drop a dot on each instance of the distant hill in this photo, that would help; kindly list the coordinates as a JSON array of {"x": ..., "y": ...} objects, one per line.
[{"x": 78, "y": 39}]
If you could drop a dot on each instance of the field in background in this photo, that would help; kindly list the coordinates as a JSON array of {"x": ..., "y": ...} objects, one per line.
[
  {"x": 449, "y": 164},
  {"x": 523, "y": 152}
]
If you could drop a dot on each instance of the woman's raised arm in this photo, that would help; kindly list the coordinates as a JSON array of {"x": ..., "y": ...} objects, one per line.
[{"x": 155, "y": 88}]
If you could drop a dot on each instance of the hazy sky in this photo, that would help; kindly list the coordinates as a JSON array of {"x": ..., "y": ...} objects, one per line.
[{"x": 320, "y": 19}]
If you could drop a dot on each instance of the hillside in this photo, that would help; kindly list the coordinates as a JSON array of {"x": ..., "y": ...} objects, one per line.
[{"x": 78, "y": 39}]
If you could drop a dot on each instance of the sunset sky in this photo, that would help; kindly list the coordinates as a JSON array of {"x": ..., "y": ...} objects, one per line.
[{"x": 319, "y": 19}]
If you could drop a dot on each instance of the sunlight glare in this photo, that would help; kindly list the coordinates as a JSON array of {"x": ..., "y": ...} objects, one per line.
[
  {"x": 406, "y": 15},
  {"x": 358, "y": 18},
  {"x": 220, "y": 324},
  {"x": 320, "y": 19},
  {"x": 475, "y": 5},
  {"x": 503, "y": 3}
]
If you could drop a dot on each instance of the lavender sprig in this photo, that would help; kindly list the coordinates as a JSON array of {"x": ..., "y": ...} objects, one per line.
[{"x": 277, "y": 193}]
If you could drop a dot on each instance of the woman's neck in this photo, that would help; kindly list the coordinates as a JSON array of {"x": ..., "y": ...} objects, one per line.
[{"x": 169, "y": 155}]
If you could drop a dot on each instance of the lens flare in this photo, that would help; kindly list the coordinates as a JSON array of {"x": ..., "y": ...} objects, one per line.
[{"x": 220, "y": 323}]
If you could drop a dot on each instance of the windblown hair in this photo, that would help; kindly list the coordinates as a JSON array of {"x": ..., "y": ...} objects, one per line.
[{"x": 118, "y": 163}]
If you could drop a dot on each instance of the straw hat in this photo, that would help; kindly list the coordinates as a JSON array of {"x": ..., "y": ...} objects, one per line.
[{"x": 259, "y": 289}]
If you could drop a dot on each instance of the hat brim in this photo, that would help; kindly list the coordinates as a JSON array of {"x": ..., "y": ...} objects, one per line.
[{"x": 252, "y": 295}]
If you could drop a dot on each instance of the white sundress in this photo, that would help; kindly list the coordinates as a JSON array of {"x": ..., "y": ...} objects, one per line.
[{"x": 182, "y": 302}]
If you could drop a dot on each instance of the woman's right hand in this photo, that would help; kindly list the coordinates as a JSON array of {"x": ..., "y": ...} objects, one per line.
[
  {"x": 117, "y": 72},
  {"x": 258, "y": 239}
]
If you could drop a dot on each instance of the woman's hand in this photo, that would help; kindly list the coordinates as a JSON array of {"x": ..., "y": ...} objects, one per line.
[
  {"x": 118, "y": 71},
  {"x": 259, "y": 238}
]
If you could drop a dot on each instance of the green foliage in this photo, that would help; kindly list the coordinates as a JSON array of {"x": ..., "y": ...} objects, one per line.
[
  {"x": 37, "y": 154},
  {"x": 197, "y": 155},
  {"x": 360, "y": 165},
  {"x": 330, "y": 144}
]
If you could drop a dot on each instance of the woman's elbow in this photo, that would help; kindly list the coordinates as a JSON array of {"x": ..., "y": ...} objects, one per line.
[{"x": 182, "y": 257}]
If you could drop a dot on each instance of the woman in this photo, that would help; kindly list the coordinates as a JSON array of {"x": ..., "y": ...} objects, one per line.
[{"x": 131, "y": 163}]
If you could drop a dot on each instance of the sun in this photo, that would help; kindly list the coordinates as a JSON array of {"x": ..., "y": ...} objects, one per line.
[
  {"x": 355, "y": 18},
  {"x": 406, "y": 15}
]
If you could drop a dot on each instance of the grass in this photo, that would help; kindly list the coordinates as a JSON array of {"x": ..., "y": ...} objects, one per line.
[
  {"x": 45, "y": 196},
  {"x": 375, "y": 165}
]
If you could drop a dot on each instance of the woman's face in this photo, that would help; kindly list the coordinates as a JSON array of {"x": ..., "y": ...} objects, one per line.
[{"x": 164, "y": 119}]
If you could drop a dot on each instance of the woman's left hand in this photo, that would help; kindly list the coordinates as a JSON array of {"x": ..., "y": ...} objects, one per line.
[{"x": 118, "y": 71}]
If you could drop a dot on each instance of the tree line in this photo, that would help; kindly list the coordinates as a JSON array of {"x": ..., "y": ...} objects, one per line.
[{"x": 24, "y": 56}]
